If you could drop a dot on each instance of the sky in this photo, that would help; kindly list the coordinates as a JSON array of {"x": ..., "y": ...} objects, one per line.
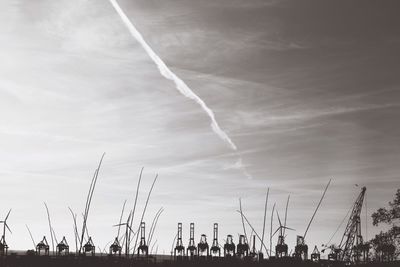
[{"x": 307, "y": 91}]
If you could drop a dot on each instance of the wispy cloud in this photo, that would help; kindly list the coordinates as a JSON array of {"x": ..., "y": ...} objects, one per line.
[{"x": 265, "y": 119}]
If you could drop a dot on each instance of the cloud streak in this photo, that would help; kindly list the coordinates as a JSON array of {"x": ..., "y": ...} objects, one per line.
[{"x": 168, "y": 74}]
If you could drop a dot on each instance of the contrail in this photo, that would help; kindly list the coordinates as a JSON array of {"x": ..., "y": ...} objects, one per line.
[
  {"x": 181, "y": 86},
  {"x": 168, "y": 74}
]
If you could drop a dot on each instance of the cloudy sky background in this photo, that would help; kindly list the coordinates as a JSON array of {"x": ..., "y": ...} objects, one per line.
[{"x": 307, "y": 90}]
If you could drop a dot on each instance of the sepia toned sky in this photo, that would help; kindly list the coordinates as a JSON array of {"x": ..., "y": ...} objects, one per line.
[{"x": 307, "y": 90}]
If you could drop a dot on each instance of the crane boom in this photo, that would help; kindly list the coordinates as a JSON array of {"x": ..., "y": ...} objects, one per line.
[{"x": 352, "y": 235}]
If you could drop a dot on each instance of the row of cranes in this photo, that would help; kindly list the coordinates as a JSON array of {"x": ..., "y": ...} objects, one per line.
[
  {"x": 202, "y": 249},
  {"x": 240, "y": 250},
  {"x": 83, "y": 241},
  {"x": 89, "y": 249},
  {"x": 352, "y": 247}
]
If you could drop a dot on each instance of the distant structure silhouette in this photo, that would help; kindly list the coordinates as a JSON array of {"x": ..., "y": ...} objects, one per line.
[
  {"x": 315, "y": 255},
  {"x": 89, "y": 248},
  {"x": 202, "y": 247},
  {"x": 62, "y": 247},
  {"x": 43, "y": 246},
  {"x": 115, "y": 248},
  {"x": 301, "y": 249},
  {"x": 253, "y": 251},
  {"x": 242, "y": 248},
  {"x": 215, "y": 249},
  {"x": 229, "y": 247},
  {"x": 191, "y": 250},
  {"x": 143, "y": 249},
  {"x": 179, "y": 250},
  {"x": 352, "y": 245}
]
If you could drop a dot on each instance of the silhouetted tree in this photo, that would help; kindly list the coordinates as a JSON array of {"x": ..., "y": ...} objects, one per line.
[{"x": 388, "y": 243}]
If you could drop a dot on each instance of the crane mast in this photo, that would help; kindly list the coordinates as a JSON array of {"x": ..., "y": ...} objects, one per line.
[{"x": 352, "y": 239}]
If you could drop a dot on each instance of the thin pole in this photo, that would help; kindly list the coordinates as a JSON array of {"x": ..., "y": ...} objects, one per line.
[
  {"x": 155, "y": 224},
  {"x": 270, "y": 235},
  {"x": 133, "y": 211},
  {"x": 75, "y": 229},
  {"x": 89, "y": 200},
  {"x": 51, "y": 233},
  {"x": 319, "y": 203},
  {"x": 286, "y": 209},
  {"x": 151, "y": 250},
  {"x": 366, "y": 218},
  {"x": 144, "y": 210},
  {"x": 120, "y": 219},
  {"x": 33, "y": 241},
  {"x": 265, "y": 217},
  {"x": 173, "y": 242},
  {"x": 54, "y": 233},
  {"x": 241, "y": 213}
]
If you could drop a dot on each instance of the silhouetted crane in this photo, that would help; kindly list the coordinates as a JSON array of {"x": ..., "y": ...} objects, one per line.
[
  {"x": 215, "y": 249},
  {"x": 242, "y": 248},
  {"x": 191, "y": 249},
  {"x": 143, "y": 249},
  {"x": 352, "y": 245},
  {"x": 89, "y": 247},
  {"x": 229, "y": 247},
  {"x": 43, "y": 246},
  {"x": 202, "y": 247},
  {"x": 179, "y": 250},
  {"x": 115, "y": 248},
  {"x": 315, "y": 255},
  {"x": 62, "y": 247}
]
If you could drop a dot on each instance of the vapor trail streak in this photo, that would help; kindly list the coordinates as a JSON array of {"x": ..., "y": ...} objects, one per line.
[{"x": 168, "y": 74}]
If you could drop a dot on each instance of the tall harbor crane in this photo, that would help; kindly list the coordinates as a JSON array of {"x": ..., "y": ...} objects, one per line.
[
  {"x": 191, "y": 250},
  {"x": 215, "y": 249},
  {"x": 179, "y": 250},
  {"x": 143, "y": 248},
  {"x": 352, "y": 245}
]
